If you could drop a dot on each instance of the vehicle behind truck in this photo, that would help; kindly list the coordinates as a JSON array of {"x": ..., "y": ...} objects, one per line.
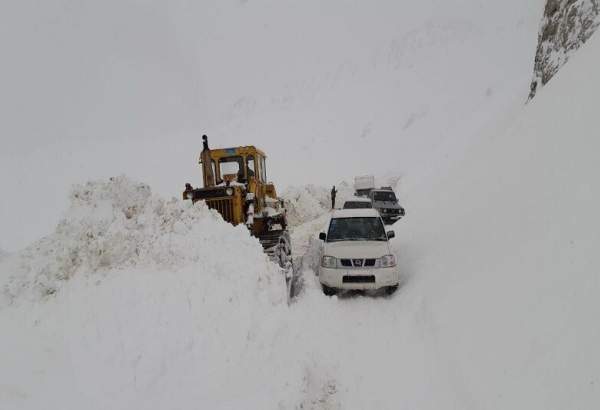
[{"x": 383, "y": 199}]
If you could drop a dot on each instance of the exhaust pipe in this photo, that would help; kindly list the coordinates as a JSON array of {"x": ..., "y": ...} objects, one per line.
[{"x": 207, "y": 169}]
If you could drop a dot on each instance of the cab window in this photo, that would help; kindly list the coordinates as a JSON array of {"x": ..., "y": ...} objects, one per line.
[
  {"x": 250, "y": 166},
  {"x": 263, "y": 169},
  {"x": 231, "y": 166}
]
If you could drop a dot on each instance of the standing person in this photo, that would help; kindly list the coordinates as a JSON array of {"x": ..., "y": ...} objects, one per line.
[
  {"x": 333, "y": 194},
  {"x": 189, "y": 192}
]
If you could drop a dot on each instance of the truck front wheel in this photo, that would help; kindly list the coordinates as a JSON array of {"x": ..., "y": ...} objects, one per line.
[{"x": 328, "y": 291}]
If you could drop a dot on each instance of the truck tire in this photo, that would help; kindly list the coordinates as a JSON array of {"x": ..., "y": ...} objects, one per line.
[{"x": 328, "y": 291}]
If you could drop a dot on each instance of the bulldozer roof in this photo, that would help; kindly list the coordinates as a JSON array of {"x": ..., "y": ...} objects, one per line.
[{"x": 246, "y": 150}]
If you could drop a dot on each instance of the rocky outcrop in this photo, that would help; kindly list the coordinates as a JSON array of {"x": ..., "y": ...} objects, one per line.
[{"x": 566, "y": 25}]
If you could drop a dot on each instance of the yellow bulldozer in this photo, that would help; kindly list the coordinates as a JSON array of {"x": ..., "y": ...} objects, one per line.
[{"x": 236, "y": 185}]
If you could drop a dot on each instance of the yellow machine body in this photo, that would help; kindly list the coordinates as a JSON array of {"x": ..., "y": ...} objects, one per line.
[{"x": 235, "y": 184}]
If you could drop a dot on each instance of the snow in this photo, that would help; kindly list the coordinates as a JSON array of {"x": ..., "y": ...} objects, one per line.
[
  {"x": 502, "y": 251},
  {"x": 128, "y": 277},
  {"x": 136, "y": 301}
]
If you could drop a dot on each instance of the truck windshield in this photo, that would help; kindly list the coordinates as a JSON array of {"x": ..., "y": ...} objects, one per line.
[
  {"x": 357, "y": 204},
  {"x": 385, "y": 196},
  {"x": 356, "y": 229}
]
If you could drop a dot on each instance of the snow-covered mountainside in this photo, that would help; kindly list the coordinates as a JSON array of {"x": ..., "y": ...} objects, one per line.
[
  {"x": 498, "y": 309},
  {"x": 508, "y": 239},
  {"x": 328, "y": 89},
  {"x": 566, "y": 26}
]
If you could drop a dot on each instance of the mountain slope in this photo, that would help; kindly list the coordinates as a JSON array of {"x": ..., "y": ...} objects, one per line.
[
  {"x": 328, "y": 90},
  {"x": 504, "y": 244},
  {"x": 498, "y": 308}
]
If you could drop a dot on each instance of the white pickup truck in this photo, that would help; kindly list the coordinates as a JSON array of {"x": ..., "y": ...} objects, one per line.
[{"x": 356, "y": 253}]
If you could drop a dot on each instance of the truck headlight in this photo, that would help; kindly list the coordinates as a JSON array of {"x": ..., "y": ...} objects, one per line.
[
  {"x": 328, "y": 262},
  {"x": 387, "y": 261},
  {"x": 229, "y": 191}
]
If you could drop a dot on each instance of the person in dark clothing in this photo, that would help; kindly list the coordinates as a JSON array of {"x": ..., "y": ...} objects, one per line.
[
  {"x": 187, "y": 194},
  {"x": 333, "y": 194}
]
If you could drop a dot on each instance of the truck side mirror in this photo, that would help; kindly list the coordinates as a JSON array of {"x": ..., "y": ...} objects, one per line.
[
  {"x": 391, "y": 234},
  {"x": 323, "y": 236}
]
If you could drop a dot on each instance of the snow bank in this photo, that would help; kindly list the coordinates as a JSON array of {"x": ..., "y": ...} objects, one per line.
[
  {"x": 135, "y": 299},
  {"x": 120, "y": 224}
]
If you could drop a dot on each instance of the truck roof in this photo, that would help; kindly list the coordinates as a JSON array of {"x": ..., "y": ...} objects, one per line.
[
  {"x": 356, "y": 213},
  {"x": 358, "y": 199}
]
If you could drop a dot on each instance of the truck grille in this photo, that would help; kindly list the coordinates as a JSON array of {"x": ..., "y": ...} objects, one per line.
[
  {"x": 359, "y": 279},
  {"x": 357, "y": 263},
  {"x": 223, "y": 206}
]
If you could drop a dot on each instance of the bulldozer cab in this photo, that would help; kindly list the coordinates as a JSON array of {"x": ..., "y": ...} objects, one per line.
[
  {"x": 235, "y": 185},
  {"x": 242, "y": 165}
]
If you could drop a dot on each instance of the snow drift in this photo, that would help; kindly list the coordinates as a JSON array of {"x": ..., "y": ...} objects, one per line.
[
  {"x": 128, "y": 277},
  {"x": 120, "y": 224}
]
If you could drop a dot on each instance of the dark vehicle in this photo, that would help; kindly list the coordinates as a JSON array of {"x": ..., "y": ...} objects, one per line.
[{"x": 385, "y": 201}]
